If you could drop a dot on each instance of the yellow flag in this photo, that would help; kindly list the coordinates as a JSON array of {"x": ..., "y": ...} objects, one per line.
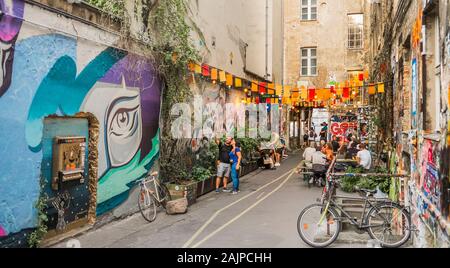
[
  {"x": 381, "y": 88},
  {"x": 191, "y": 67},
  {"x": 238, "y": 82},
  {"x": 222, "y": 76},
  {"x": 279, "y": 90},
  {"x": 303, "y": 93},
  {"x": 198, "y": 69},
  {"x": 326, "y": 95},
  {"x": 254, "y": 86},
  {"x": 287, "y": 91},
  {"x": 214, "y": 74},
  {"x": 229, "y": 80},
  {"x": 372, "y": 90}
]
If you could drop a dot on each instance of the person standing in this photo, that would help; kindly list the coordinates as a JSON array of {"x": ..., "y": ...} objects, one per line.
[
  {"x": 312, "y": 135},
  {"x": 224, "y": 164},
  {"x": 335, "y": 143},
  {"x": 277, "y": 146},
  {"x": 305, "y": 139},
  {"x": 324, "y": 132},
  {"x": 236, "y": 158},
  {"x": 364, "y": 157}
]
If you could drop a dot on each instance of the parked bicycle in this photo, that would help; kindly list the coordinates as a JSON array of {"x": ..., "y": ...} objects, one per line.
[
  {"x": 385, "y": 221},
  {"x": 152, "y": 194}
]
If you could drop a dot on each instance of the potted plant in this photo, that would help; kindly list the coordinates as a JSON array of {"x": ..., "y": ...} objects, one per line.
[
  {"x": 205, "y": 167},
  {"x": 179, "y": 181},
  {"x": 205, "y": 180}
]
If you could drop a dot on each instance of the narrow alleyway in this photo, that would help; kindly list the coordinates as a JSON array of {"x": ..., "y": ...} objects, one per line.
[{"x": 263, "y": 215}]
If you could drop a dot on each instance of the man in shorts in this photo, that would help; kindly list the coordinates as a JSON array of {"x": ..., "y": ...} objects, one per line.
[{"x": 224, "y": 164}]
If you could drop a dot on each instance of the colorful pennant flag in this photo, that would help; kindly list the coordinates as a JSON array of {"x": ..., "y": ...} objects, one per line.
[
  {"x": 205, "y": 70},
  {"x": 254, "y": 86},
  {"x": 287, "y": 91},
  {"x": 262, "y": 88},
  {"x": 198, "y": 69},
  {"x": 238, "y": 82},
  {"x": 229, "y": 80},
  {"x": 214, "y": 74},
  {"x": 311, "y": 94},
  {"x": 381, "y": 88},
  {"x": 372, "y": 90},
  {"x": 222, "y": 76},
  {"x": 279, "y": 90}
]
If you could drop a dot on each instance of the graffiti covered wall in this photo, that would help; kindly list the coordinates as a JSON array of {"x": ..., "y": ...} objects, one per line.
[{"x": 46, "y": 72}]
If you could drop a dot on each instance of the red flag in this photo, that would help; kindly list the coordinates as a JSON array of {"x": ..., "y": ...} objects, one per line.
[
  {"x": 205, "y": 70},
  {"x": 361, "y": 77},
  {"x": 311, "y": 94},
  {"x": 262, "y": 88},
  {"x": 332, "y": 90},
  {"x": 346, "y": 93}
]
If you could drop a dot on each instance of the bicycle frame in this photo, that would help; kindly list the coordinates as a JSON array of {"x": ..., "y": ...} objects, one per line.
[
  {"x": 329, "y": 196},
  {"x": 368, "y": 204},
  {"x": 147, "y": 190}
]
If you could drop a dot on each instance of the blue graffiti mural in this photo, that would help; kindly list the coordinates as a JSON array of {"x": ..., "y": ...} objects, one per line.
[
  {"x": 120, "y": 89},
  {"x": 10, "y": 24}
]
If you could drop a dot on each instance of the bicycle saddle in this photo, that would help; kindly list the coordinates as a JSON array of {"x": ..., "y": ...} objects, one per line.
[{"x": 366, "y": 191}]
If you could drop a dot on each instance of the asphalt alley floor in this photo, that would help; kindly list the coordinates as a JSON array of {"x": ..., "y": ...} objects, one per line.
[{"x": 263, "y": 215}]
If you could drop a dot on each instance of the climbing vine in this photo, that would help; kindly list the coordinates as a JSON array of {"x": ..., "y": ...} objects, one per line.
[
  {"x": 172, "y": 48},
  {"x": 37, "y": 236},
  {"x": 116, "y": 7}
]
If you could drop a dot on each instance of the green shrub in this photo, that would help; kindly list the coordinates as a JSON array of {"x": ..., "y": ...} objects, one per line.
[{"x": 349, "y": 183}]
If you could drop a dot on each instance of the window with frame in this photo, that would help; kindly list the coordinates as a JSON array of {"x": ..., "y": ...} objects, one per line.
[
  {"x": 309, "y": 61},
  {"x": 355, "y": 31},
  {"x": 309, "y": 9}
]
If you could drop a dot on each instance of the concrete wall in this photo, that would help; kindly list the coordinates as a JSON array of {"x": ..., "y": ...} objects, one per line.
[
  {"x": 60, "y": 66},
  {"x": 329, "y": 34},
  {"x": 238, "y": 37}
]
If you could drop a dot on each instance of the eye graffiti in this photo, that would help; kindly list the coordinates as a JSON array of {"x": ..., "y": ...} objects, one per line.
[
  {"x": 124, "y": 128},
  {"x": 124, "y": 123}
]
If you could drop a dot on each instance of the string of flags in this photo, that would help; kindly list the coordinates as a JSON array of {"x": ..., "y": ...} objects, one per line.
[{"x": 271, "y": 93}]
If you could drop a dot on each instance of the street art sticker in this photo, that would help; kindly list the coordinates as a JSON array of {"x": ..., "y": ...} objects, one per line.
[
  {"x": 431, "y": 186},
  {"x": 122, "y": 91},
  {"x": 340, "y": 129},
  {"x": 414, "y": 92}
]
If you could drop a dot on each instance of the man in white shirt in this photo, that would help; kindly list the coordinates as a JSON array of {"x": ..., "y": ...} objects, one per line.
[
  {"x": 319, "y": 162},
  {"x": 319, "y": 158},
  {"x": 308, "y": 155},
  {"x": 364, "y": 157}
]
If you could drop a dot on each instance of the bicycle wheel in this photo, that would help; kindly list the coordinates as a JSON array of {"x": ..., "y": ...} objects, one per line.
[
  {"x": 316, "y": 228},
  {"x": 147, "y": 205},
  {"x": 164, "y": 195},
  {"x": 389, "y": 224}
]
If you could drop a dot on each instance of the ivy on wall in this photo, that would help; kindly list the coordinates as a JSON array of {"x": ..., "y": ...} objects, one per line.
[
  {"x": 172, "y": 48},
  {"x": 116, "y": 7},
  {"x": 36, "y": 237}
]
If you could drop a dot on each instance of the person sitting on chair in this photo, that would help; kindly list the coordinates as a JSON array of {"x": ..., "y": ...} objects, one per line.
[
  {"x": 319, "y": 162},
  {"x": 308, "y": 156}
]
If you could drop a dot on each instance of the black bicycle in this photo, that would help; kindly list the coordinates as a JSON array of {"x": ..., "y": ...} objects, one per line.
[{"x": 387, "y": 222}]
